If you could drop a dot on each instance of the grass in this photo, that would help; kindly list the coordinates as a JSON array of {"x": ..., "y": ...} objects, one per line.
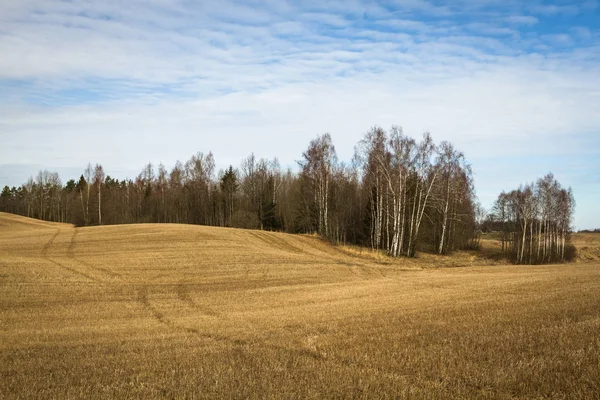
[
  {"x": 177, "y": 311},
  {"x": 588, "y": 246}
]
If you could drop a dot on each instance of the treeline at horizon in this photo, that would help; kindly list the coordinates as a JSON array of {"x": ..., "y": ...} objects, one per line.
[{"x": 399, "y": 195}]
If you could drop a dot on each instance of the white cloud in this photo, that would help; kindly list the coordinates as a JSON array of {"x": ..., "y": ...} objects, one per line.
[
  {"x": 500, "y": 105},
  {"x": 522, "y": 19},
  {"x": 127, "y": 83},
  {"x": 561, "y": 39},
  {"x": 553, "y": 9},
  {"x": 582, "y": 33}
]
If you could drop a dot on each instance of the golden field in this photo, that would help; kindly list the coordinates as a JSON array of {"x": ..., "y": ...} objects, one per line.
[{"x": 180, "y": 311}]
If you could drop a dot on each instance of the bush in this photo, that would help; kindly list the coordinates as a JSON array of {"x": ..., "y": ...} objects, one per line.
[{"x": 570, "y": 252}]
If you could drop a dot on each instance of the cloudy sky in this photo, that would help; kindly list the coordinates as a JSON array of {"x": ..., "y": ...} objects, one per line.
[{"x": 514, "y": 84}]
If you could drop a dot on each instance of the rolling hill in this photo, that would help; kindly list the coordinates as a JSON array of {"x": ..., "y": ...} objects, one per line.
[{"x": 184, "y": 311}]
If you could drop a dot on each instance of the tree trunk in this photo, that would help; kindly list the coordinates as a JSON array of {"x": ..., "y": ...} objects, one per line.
[
  {"x": 99, "y": 205},
  {"x": 445, "y": 218}
]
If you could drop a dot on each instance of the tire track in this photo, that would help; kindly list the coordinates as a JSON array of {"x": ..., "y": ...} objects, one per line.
[
  {"x": 369, "y": 269},
  {"x": 272, "y": 240},
  {"x": 71, "y": 254},
  {"x": 377, "y": 272},
  {"x": 355, "y": 273},
  {"x": 142, "y": 298},
  {"x": 284, "y": 243},
  {"x": 184, "y": 295},
  {"x": 71, "y": 249},
  {"x": 355, "y": 264},
  {"x": 47, "y": 247},
  {"x": 49, "y": 243},
  {"x": 73, "y": 270},
  {"x": 265, "y": 271}
]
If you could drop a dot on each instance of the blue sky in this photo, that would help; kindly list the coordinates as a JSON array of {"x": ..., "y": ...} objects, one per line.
[{"x": 515, "y": 85}]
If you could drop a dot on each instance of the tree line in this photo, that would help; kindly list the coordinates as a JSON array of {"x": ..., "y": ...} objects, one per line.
[
  {"x": 397, "y": 195},
  {"x": 534, "y": 221}
]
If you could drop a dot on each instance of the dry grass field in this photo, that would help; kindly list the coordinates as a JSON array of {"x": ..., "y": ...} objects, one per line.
[
  {"x": 178, "y": 311},
  {"x": 588, "y": 247}
]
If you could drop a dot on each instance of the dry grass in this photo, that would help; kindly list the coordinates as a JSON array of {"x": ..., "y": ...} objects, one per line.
[
  {"x": 588, "y": 246},
  {"x": 180, "y": 311}
]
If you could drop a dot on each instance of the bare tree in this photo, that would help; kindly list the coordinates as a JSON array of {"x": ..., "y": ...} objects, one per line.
[
  {"x": 178, "y": 210},
  {"x": 161, "y": 184},
  {"x": 373, "y": 155},
  {"x": 88, "y": 175},
  {"x": 425, "y": 173},
  {"x": 402, "y": 150},
  {"x": 454, "y": 183},
  {"x": 229, "y": 187},
  {"x": 99, "y": 181},
  {"x": 317, "y": 165}
]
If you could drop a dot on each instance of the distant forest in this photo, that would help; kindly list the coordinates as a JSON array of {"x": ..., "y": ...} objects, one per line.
[{"x": 399, "y": 195}]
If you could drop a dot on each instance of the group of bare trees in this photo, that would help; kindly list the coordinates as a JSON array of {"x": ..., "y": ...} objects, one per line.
[
  {"x": 399, "y": 195},
  {"x": 91, "y": 178},
  {"x": 405, "y": 181},
  {"x": 534, "y": 222},
  {"x": 44, "y": 197}
]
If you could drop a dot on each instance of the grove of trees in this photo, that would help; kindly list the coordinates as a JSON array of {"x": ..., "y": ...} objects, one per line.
[
  {"x": 534, "y": 221},
  {"x": 398, "y": 195}
]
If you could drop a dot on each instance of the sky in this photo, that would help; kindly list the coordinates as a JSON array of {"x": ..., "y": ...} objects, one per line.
[{"x": 515, "y": 85}]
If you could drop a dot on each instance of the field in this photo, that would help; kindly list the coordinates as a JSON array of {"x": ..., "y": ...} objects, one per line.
[
  {"x": 588, "y": 247},
  {"x": 178, "y": 311}
]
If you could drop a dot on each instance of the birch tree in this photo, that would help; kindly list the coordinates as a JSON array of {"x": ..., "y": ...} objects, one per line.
[
  {"x": 373, "y": 155},
  {"x": 317, "y": 165},
  {"x": 425, "y": 173},
  {"x": 402, "y": 151},
  {"x": 99, "y": 181},
  {"x": 454, "y": 185},
  {"x": 88, "y": 175}
]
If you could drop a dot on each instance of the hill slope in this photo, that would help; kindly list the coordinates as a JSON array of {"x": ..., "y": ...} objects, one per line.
[
  {"x": 588, "y": 246},
  {"x": 188, "y": 311},
  {"x": 144, "y": 252}
]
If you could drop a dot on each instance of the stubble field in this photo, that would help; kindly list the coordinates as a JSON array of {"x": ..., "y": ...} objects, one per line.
[{"x": 178, "y": 311}]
